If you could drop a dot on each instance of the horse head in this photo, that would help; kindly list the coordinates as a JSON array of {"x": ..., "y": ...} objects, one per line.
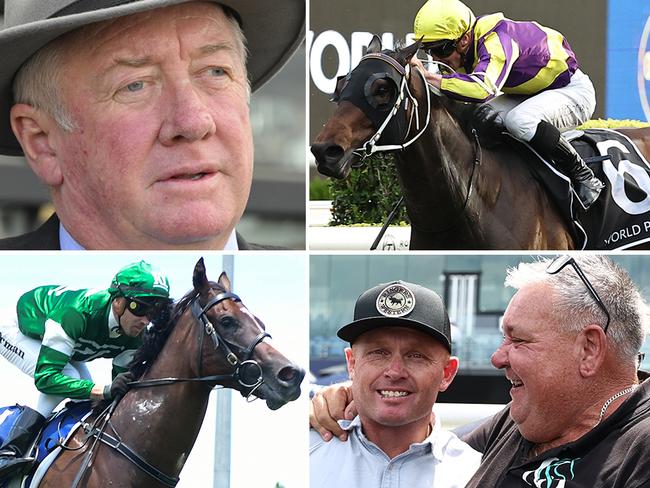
[
  {"x": 238, "y": 346},
  {"x": 371, "y": 108}
]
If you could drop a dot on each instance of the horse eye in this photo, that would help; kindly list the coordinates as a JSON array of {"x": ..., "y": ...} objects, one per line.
[
  {"x": 228, "y": 322},
  {"x": 382, "y": 93}
]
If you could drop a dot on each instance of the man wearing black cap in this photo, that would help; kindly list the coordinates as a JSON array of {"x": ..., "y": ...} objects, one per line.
[{"x": 398, "y": 361}]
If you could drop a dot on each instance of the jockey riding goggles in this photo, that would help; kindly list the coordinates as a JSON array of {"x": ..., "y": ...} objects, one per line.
[
  {"x": 440, "y": 49},
  {"x": 141, "y": 306}
]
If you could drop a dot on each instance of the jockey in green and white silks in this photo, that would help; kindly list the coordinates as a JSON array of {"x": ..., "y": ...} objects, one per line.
[{"x": 56, "y": 330}]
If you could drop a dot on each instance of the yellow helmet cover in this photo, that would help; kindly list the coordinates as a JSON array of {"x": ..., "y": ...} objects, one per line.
[{"x": 442, "y": 19}]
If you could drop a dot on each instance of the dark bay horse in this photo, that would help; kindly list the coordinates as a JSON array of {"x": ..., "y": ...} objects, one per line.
[
  {"x": 209, "y": 338},
  {"x": 458, "y": 195}
]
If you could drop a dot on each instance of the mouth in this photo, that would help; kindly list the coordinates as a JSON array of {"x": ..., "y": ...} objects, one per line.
[
  {"x": 391, "y": 394},
  {"x": 191, "y": 177},
  {"x": 516, "y": 383}
]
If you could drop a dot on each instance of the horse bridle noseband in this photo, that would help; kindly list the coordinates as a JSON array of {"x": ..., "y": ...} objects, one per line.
[{"x": 244, "y": 369}]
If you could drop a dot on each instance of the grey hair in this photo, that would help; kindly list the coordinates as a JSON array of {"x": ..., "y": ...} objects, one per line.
[
  {"x": 575, "y": 307},
  {"x": 38, "y": 80}
]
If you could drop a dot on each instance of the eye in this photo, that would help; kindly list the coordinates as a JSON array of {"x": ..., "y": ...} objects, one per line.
[
  {"x": 228, "y": 322},
  {"x": 216, "y": 71},
  {"x": 135, "y": 86}
]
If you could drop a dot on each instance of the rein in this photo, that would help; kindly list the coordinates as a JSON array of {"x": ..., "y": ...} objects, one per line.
[{"x": 247, "y": 372}]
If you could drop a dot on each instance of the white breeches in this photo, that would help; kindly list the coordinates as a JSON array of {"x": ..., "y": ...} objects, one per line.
[
  {"x": 565, "y": 108},
  {"x": 23, "y": 351}
]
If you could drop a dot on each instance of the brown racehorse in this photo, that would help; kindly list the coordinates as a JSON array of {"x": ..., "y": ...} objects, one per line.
[
  {"x": 210, "y": 339},
  {"x": 457, "y": 195}
]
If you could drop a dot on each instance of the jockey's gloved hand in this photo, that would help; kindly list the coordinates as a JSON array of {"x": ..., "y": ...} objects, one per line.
[{"x": 118, "y": 388}]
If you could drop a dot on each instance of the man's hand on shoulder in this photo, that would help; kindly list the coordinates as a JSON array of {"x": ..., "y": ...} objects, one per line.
[{"x": 329, "y": 405}]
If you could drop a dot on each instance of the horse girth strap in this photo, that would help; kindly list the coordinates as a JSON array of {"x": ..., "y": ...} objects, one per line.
[{"x": 136, "y": 459}]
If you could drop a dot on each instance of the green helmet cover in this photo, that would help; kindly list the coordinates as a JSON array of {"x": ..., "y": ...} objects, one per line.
[{"x": 140, "y": 280}]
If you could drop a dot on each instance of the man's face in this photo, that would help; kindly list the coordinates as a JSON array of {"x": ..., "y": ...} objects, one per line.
[
  {"x": 162, "y": 154},
  {"x": 541, "y": 362},
  {"x": 132, "y": 325},
  {"x": 396, "y": 375}
]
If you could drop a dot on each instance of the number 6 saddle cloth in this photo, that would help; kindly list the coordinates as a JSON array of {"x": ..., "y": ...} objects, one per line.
[{"x": 620, "y": 218}]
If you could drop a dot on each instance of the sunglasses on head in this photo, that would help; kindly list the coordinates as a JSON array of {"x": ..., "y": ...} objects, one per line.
[
  {"x": 141, "y": 307},
  {"x": 440, "y": 49},
  {"x": 559, "y": 263}
]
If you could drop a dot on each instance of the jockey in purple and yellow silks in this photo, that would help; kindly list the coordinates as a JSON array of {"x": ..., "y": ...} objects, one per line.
[{"x": 494, "y": 55}]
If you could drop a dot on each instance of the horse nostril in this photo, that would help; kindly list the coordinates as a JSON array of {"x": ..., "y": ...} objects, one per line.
[
  {"x": 291, "y": 375},
  {"x": 327, "y": 153}
]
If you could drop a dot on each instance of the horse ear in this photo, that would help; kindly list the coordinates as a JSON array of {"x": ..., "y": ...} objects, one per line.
[
  {"x": 409, "y": 51},
  {"x": 375, "y": 45},
  {"x": 199, "y": 278},
  {"x": 224, "y": 281}
]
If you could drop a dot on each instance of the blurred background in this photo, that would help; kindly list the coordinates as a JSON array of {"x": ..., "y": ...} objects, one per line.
[
  {"x": 473, "y": 291},
  {"x": 275, "y": 213}
]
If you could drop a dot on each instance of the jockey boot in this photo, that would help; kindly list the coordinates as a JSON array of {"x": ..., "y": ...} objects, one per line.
[
  {"x": 21, "y": 436},
  {"x": 550, "y": 144}
]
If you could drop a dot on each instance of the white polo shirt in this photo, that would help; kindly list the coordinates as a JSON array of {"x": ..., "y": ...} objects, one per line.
[{"x": 442, "y": 460}]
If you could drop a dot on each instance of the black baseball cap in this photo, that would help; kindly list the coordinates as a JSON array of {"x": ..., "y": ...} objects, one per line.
[{"x": 399, "y": 304}]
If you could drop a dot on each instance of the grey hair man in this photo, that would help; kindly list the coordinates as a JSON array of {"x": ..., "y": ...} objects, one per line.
[
  {"x": 135, "y": 114},
  {"x": 580, "y": 411}
]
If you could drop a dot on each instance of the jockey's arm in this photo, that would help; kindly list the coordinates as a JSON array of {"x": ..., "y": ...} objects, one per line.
[{"x": 57, "y": 348}]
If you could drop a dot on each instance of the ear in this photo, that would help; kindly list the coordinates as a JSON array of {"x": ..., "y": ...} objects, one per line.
[
  {"x": 349, "y": 359},
  {"x": 449, "y": 373},
  {"x": 199, "y": 278},
  {"x": 118, "y": 305},
  {"x": 375, "y": 45},
  {"x": 405, "y": 55},
  {"x": 224, "y": 281},
  {"x": 591, "y": 343},
  {"x": 35, "y": 129},
  {"x": 464, "y": 41}
]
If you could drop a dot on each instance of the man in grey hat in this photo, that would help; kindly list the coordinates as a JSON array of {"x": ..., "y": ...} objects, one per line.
[
  {"x": 135, "y": 114},
  {"x": 399, "y": 359}
]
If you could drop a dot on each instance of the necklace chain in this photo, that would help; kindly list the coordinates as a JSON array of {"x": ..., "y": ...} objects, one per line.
[{"x": 606, "y": 405}]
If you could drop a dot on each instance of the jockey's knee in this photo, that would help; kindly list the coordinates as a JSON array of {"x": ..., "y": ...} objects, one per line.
[{"x": 521, "y": 127}]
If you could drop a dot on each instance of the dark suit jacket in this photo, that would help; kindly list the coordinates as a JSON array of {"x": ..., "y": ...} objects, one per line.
[{"x": 46, "y": 237}]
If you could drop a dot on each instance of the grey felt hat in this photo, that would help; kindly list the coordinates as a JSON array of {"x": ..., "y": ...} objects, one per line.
[
  {"x": 399, "y": 304},
  {"x": 274, "y": 29}
]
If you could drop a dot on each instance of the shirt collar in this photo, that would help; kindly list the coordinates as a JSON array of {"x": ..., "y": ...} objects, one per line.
[
  {"x": 114, "y": 330},
  {"x": 437, "y": 448},
  {"x": 68, "y": 243}
]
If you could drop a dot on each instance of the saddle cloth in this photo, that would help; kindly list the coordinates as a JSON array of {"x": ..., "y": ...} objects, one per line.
[
  {"x": 620, "y": 218},
  {"x": 57, "y": 429}
]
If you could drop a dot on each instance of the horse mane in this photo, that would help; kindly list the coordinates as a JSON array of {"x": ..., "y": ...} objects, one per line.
[{"x": 155, "y": 336}]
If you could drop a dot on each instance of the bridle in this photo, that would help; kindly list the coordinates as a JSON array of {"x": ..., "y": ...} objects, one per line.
[
  {"x": 246, "y": 371},
  {"x": 403, "y": 97}
]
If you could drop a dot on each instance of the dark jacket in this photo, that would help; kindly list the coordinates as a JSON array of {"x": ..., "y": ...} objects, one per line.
[{"x": 46, "y": 238}]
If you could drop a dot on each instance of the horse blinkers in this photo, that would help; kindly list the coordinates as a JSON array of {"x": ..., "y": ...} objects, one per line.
[{"x": 377, "y": 98}]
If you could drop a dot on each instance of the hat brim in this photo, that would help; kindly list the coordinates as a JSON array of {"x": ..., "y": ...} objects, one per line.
[
  {"x": 351, "y": 332},
  {"x": 273, "y": 30}
]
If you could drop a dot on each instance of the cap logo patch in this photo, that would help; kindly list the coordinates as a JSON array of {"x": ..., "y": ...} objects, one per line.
[{"x": 395, "y": 301}]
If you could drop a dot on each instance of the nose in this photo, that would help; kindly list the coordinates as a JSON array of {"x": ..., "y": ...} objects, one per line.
[
  {"x": 291, "y": 376},
  {"x": 327, "y": 152},
  {"x": 395, "y": 369},
  {"x": 188, "y": 117},
  {"x": 500, "y": 357}
]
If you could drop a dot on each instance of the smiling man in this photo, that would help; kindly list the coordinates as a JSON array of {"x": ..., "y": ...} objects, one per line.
[
  {"x": 580, "y": 414},
  {"x": 135, "y": 114},
  {"x": 398, "y": 361},
  {"x": 54, "y": 330}
]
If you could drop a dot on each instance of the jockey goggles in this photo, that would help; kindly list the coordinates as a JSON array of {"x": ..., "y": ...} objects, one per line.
[
  {"x": 141, "y": 306},
  {"x": 440, "y": 49}
]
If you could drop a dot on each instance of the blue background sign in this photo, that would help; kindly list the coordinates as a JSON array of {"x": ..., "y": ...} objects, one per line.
[{"x": 628, "y": 60}]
